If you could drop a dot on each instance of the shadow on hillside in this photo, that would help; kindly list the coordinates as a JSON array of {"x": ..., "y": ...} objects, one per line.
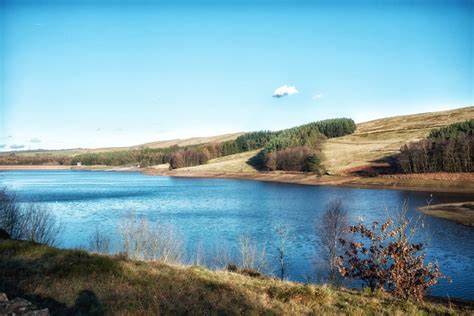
[
  {"x": 86, "y": 302},
  {"x": 99, "y": 283},
  {"x": 384, "y": 166}
]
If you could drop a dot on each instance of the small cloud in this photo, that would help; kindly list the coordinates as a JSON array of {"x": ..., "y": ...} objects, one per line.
[
  {"x": 284, "y": 91},
  {"x": 35, "y": 140},
  {"x": 2, "y": 146},
  {"x": 317, "y": 96},
  {"x": 119, "y": 129},
  {"x": 17, "y": 146},
  {"x": 10, "y": 136},
  {"x": 98, "y": 129}
]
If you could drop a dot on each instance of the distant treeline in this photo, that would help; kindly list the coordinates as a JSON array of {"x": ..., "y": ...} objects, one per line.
[
  {"x": 36, "y": 159},
  {"x": 296, "y": 149},
  {"x": 448, "y": 149}
]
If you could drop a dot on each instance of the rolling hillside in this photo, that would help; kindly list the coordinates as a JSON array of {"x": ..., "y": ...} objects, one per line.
[
  {"x": 372, "y": 141},
  {"x": 377, "y": 139},
  {"x": 74, "y": 282}
]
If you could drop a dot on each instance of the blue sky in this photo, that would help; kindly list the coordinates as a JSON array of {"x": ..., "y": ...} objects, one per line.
[{"x": 112, "y": 73}]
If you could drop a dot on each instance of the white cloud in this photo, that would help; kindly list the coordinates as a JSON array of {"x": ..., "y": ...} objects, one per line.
[
  {"x": 284, "y": 91},
  {"x": 35, "y": 140},
  {"x": 317, "y": 96}
]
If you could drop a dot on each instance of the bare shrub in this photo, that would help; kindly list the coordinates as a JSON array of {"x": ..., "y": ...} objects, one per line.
[
  {"x": 223, "y": 256},
  {"x": 140, "y": 241},
  {"x": 250, "y": 256},
  {"x": 99, "y": 242},
  {"x": 389, "y": 260},
  {"x": 40, "y": 225},
  {"x": 332, "y": 227},
  {"x": 31, "y": 222},
  {"x": 198, "y": 258},
  {"x": 10, "y": 214}
]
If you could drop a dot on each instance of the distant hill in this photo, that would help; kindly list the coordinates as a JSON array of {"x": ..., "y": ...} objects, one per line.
[
  {"x": 373, "y": 141},
  {"x": 157, "y": 144}
]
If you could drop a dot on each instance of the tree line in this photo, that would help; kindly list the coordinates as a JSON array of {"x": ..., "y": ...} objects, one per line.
[
  {"x": 447, "y": 149},
  {"x": 299, "y": 148},
  {"x": 293, "y": 149},
  {"x": 36, "y": 159}
]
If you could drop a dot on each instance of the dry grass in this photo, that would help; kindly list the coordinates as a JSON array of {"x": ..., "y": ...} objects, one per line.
[
  {"x": 73, "y": 281},
  {"x": 231, "y": 163},
  {"x": 462, "y": 213},
  {"x": 191, "y": 141},
  {"x": 381, "y": 138}
]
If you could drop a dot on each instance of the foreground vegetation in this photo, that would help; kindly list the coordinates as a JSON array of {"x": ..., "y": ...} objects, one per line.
[
  {"x": 74, "y": 281},
  {"x": 150, "y": 274}
]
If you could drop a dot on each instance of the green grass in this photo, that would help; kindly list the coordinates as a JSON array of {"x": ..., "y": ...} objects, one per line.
[{"x": 75, "y": 282}]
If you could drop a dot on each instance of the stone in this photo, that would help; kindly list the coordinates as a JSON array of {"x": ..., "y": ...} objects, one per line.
[{"x": 20, "y": 307}]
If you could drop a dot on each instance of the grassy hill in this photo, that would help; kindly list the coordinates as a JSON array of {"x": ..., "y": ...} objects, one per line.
[
  {"x": 372, "y": 141},
  {"x": 377, "y": 139},
  {"x": 76, "y": 282}
]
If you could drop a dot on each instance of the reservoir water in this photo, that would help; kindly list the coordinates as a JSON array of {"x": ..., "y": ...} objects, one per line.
[{"x": 217, "y": 212}]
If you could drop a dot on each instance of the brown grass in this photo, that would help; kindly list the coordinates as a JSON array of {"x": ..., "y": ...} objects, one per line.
[
  {"x": 73, "y": 281},
  {"x": 377, "y": 139},
  {"x": 462, "y": 213}
]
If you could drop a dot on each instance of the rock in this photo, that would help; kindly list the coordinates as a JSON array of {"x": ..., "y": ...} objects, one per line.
[
  {"x": 4, "y": 234},
  {"x": 20, "y": 307},
  {"x": 3, "y": 298}
]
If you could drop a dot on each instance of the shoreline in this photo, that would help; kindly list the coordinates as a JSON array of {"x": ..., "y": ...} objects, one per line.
[
  {"x": 439, "y": 182},
  {"x": 461, "y": 213}
]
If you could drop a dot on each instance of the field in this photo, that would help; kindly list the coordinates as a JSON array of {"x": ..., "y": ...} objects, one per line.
[{"x": 76, "y": 282}]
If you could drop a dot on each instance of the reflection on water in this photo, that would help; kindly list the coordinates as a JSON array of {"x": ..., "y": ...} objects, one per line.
[{"x": 211, "y": 212}]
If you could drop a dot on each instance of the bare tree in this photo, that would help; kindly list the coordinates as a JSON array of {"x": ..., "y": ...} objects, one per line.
[
  {"x": 332, "y": 227},
  {"x": 282, "y": 241}
]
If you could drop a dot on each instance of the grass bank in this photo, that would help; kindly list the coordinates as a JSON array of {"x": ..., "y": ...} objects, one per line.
[
  {"x": 74, "y": 281},
  {"x": 462, "y": 213}
]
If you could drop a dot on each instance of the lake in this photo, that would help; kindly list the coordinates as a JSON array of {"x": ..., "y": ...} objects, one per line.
[{"x": 208, "y": 213}]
